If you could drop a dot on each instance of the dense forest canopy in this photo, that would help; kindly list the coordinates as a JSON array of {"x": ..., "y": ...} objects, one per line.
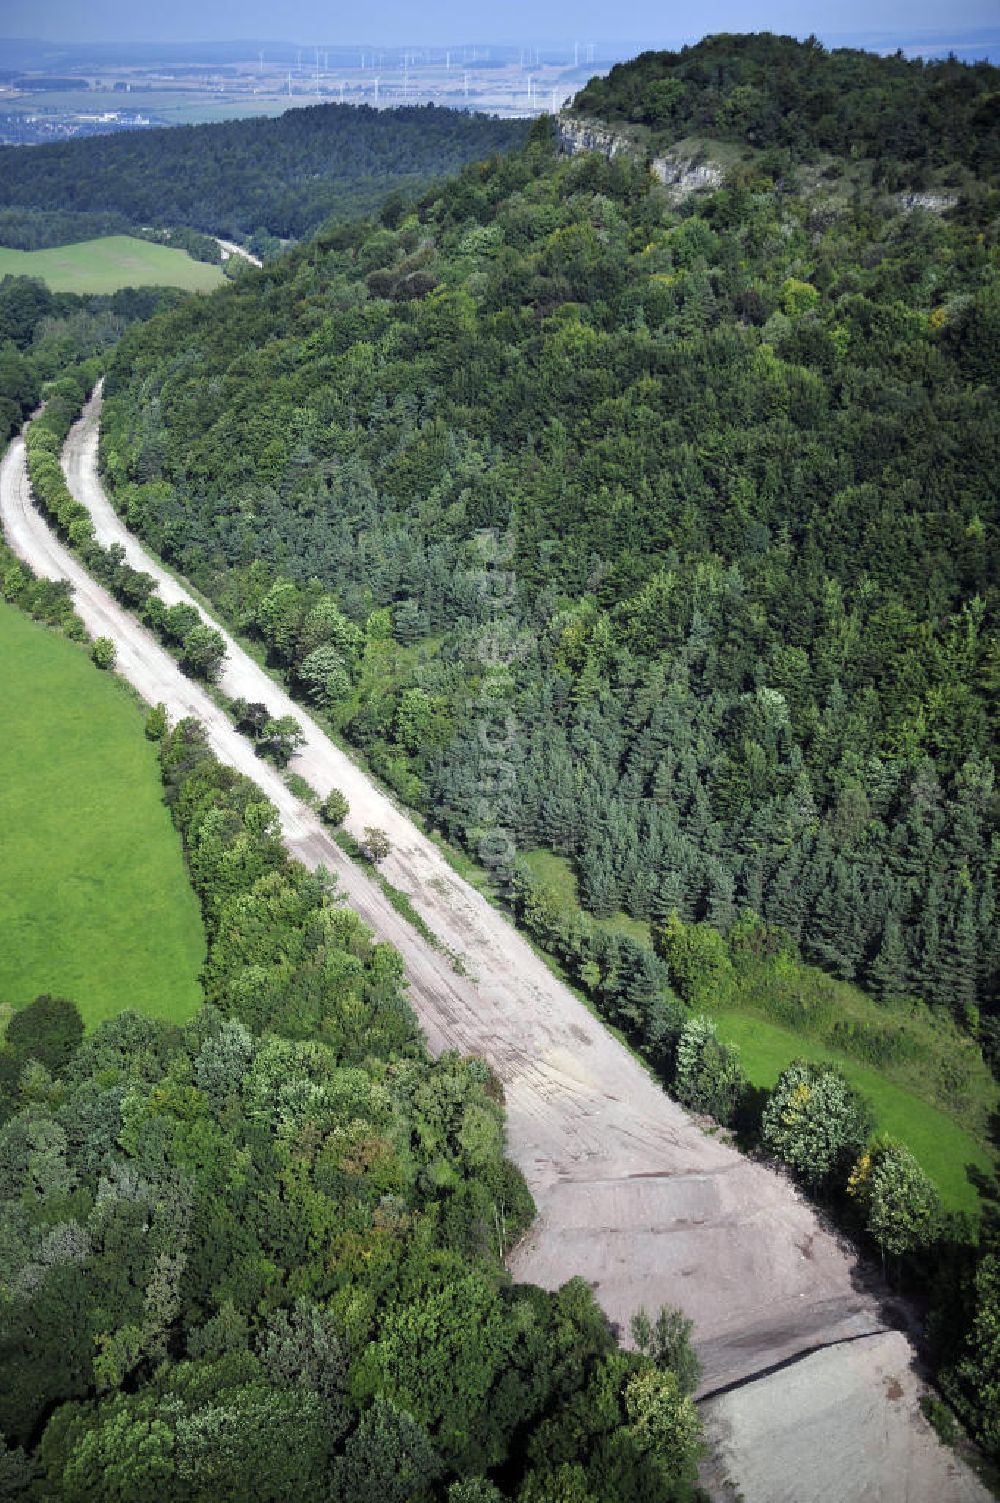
[
  {"x": 286, "y": 175},
  {"x": 654, "y": 533},
  {"x": 742, "y": 453},
  {"x": 772, "y": 91},
  {"x": 36, "y": 229}
]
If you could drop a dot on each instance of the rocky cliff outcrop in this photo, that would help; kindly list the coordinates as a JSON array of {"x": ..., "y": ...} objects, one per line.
[
  {"x": 576, "y": 136},
  {"x": 684, "y": 175},
  {"x": 679, "y": 172},
  {"x": 937, "y": 203}
]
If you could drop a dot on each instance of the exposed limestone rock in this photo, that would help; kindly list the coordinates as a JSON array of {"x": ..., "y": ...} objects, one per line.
[
  {"x": 684, "y": 176},
  {"x": 937, "y": 203},
  {"x": 680, "y": 174},
  {"x": 576, "y": 136}
]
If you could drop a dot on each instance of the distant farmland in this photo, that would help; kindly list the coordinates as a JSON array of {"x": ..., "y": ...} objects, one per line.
[
  {"x": 113, "y": 262},
  {"x": 95, "y": 904}
]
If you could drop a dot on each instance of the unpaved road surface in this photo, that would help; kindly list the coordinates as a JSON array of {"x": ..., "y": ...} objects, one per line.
[
  {"x": 630, "y": 1192},
  {"x": 230, "y": 248},
  {"x": 842, "y": 1423}
]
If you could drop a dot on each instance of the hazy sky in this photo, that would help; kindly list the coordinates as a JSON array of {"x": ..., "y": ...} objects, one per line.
[{"x": 438, "y": 21}]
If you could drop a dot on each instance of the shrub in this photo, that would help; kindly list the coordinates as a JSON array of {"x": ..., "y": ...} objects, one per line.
[
  {"x": 816, "y": 1123},
  {"x": 708, "y": 1075},
  {"x": 334, "y": 808},
  {"x": 156, "y": 723},
  {"x": 668, "y": 1342},
  {"x": 697, "y": 956},
  {"x": 941, "y": 1418},
  {"x": 104, "y": 652},
  {"x": 902, "y": 1208},
  {"x": 376, "y": 844}
]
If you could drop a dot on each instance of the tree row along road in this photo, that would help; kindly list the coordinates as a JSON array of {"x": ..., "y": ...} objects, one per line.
[{"x": 631, "y": 1193}]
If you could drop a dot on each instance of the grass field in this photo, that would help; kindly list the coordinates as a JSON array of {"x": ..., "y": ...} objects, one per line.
[
  {"x": 95, "y": 904},
  {"x": 943, "y": 1148},
  {"x": 906, "y": 1096},
  {"x": 112, "y": 262}
]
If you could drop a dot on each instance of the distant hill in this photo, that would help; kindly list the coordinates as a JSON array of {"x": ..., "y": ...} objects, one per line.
[
  {"x": 773, "y": 91},
  {"x": 286, "y": 176}
]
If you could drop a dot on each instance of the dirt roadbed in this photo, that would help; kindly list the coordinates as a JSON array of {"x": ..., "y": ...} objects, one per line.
[{"x": 631, "y": 1193}]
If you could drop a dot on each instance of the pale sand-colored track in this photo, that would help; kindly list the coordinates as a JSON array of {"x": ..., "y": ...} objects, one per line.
[
  {"x": 230, "y": 248},
  {"x": 631, "y": 1193}
]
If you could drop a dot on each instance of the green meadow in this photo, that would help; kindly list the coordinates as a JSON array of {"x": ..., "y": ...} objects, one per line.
[
  {"x": 95, "y": 904},
  {"x": 945, "y": 1149},
  {"x": 110, "y": 263}
]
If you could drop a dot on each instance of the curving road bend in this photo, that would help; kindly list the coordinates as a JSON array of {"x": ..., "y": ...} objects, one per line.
[{"x": 631, "y": 1193}]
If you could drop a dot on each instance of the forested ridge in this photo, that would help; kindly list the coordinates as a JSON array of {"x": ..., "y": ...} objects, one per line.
[
  {"x": 741, "y": 454},
  {"x": 907, "y": 114},
  {"x": 234, "y": 178}
]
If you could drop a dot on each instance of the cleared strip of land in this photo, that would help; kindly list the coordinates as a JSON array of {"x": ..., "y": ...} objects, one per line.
[{"x": 631, "y": 1193}]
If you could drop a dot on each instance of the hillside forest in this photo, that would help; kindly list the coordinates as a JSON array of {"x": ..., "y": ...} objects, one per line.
[
  {"x": 653, "y": 532},
  {"x": 642, "y": 537},
  {"x": 257, "y": 179},
  {"x": 260, "y": 1253},
  {"x": 720, "y": 474}
]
